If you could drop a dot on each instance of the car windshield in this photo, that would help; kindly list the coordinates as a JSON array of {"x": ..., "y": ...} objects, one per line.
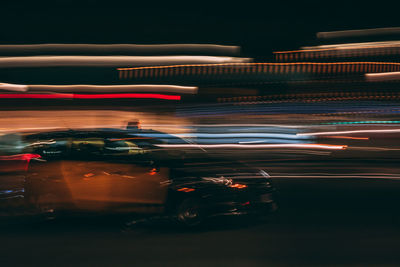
[{"x": 79, "y": 144}]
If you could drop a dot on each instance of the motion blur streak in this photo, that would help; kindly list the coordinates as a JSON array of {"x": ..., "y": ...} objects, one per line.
[
  {"x": 102, "y": 96},
  {"x": 37, "y": 96},
  {"x": 354, "y": 131},
  {"x": 351, "y": 45},
  {"x": 26, "y": 157},
  {"x": 111, "y": 61},
  {"x": 348, "y": 137},
  {"x": 117, "y": 49},
  {"x": 358, "y": 33},
  {"x": 186, "y": 190},
  {"x": 377, "y": 51},
  {"x": 316, "y": 146},
  {"x": 92, "y": 96},
  {"x": 23, "y": 158},
  {"x": 16, "y": 121},
  {"x": 229, "y": 125},
  {"x": 389, "y": 176},
  {"x": 272, "y": 72},
  {"x": 223, "y": 135},
  {"x": 385, "y": 76},
  {"x": 239, "y": 186},
  {"x": 13, "y": 87},
  {"x": 73, "y": 88}
]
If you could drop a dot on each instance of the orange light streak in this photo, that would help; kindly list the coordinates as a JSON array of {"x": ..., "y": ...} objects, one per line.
[
  {"x": 238, "y": 186},
  {"x": 186, "y": 189},
  {"x": 348, "y": 137}
]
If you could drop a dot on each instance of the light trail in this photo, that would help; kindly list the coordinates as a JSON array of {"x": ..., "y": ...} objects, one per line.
[
  {"x": 312, "y": 146},
  {"x": 351, "y": 132},
  {"x": 337, "y": 177},
  {"x": 90, "y": 96},
  {"x": 241, "y": 135},
  {"x": 113, "y": 61}
]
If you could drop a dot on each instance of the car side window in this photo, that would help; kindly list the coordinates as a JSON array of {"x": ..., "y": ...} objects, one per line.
[
  {"x": 87, "y": 146},
  {"x": 51, "y": 148},
  {"x": 123, "y": 147}
]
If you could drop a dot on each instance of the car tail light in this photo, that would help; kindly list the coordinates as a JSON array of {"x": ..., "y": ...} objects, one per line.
[
  {"x": 239, "y": 186},
  {"x": 17, "y": 162}
]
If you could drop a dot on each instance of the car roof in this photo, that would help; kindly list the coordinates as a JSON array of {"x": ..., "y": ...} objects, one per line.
[{"x": 149, "y": 134}]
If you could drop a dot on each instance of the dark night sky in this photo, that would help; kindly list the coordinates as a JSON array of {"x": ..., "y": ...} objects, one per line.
[{"x": 258, "y": 28}]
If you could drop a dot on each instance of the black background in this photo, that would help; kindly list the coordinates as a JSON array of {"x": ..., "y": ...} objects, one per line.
[
  {"x": 350, "y": 233},
  {"x": 260, "y": 27}
]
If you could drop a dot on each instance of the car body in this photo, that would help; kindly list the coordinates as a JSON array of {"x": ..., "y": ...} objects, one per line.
[{"x": 124, "y": 171}]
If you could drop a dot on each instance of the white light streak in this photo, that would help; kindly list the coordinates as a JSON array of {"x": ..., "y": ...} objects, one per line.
[
  {"x": 352, "y": 132},
  {"x": 310, "y": 146}
]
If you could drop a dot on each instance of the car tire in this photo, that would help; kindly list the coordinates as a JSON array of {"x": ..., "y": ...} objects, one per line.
[{"x": 190, "y": 213}]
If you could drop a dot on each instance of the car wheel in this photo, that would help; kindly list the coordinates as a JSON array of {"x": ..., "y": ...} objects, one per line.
[{"x": 190, "y": 212}]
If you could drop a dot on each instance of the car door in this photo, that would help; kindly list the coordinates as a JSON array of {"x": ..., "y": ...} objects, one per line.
[{"x": 116, "y": 180}]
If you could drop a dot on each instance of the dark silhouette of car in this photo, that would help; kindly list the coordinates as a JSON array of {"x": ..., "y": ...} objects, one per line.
[{"x": 124, "y": 171}]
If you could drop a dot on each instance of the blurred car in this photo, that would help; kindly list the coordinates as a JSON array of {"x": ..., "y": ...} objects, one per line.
[{"x": 124, "y": 171}]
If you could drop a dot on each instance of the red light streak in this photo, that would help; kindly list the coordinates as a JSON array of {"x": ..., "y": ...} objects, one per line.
[
  {"x": 26, "y": 157},
  {"x": 186, "y": 190},
  {"x": 21, "y": 157}
]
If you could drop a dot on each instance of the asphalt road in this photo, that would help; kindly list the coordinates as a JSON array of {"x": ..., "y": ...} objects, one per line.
[
  {"x": 333, "y": 211},
  {"x": 321, "y": 222}
]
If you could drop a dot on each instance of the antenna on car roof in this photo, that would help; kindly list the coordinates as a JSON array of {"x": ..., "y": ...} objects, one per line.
[{"x": 133, "y": 125}]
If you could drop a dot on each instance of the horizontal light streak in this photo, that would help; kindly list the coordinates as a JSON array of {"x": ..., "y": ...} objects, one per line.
[
  {"x": 124, "y": 88},
  {"x": 228, "y": 125},
  {"x": 127, "y": 95},
  {"x": 125, "y": 49},
  {"x": 244, "y": 64},
  {"x": 90, "y": 96},
  {"x": 269, "y": 70},
  {"x": 388, "y": 44},
  {"x": 90, "y": 88},
  {"x": 113, "y": 61},
  {"x": 360, "y": 122},
  {"x": 348, "y": 137},
  {"x": 358, "y": 33},
  {"x": 13, "y": 87},
  {"x": 384, "y": 76},
  {"x": 237, "y": 135},
  {"x": 337, "y": 177},
  {"x": 36, "y": 96},
  {"x": 231, "y": 141},
  {"x": 351, "y": 132},
  {"x": 312, "y": 146}
]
